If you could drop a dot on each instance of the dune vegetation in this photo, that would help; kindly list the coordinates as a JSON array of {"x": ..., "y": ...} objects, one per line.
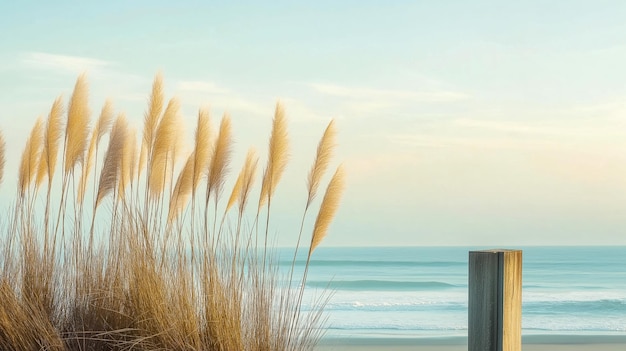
[{"x": 134, "y": 245}]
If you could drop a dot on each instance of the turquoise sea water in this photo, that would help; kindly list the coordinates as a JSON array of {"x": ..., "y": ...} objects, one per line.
[{"x": 422, "y": 291}]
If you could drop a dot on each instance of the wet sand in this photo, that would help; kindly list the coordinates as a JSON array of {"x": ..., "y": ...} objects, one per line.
[{"x": 530, "y": 343}]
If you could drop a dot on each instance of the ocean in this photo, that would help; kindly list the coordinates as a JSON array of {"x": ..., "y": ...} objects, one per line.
[{"x": 422, "y": 291}]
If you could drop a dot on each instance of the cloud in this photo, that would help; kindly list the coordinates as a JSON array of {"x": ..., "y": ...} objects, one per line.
[
  {"x": 64, "y": 63},
  {"x": 369, "y": 94}
]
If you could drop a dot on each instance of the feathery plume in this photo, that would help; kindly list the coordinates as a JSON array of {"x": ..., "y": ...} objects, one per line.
[
  {"x": 248, "y": 179},
  {"x": 133, "y": 156},
  {"x": 77, "y": 128},
  {"x": 50, "y": 149},
  {"x": 164, "y": 144},
  {"x": 202, "y": 149},
  {"x": 2, "y": 159},
  {"x": 112, "y": 160},
  {"x": 28, "y": 166},
  {"x": 102, "y": 127},
  {"x": 244, "y": 180},
  {"x": 151, "y": 119},
  {"x": 322, "y": 159},
  {"x": 328, "y": 209},
  {"x": 143, "y": 159},
  {"x": 220, "y": 158},
  {"x": 182, "y": 190},
  {"x": 278, "y": 155},
  {"x": 126, "y": 162}
]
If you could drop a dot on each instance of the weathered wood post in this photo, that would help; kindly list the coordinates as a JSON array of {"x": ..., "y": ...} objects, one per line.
[{"x": 495, "y": 300}]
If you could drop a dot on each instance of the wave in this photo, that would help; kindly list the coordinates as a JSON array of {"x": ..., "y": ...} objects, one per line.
[
  {"x": 370, "y": 263},
  {"x": 606, "y": 306},
  {"x": 380, "y": 285}
]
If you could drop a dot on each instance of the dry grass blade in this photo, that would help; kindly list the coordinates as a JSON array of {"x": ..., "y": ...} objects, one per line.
[
  {"x": 112, "y": 160},
  {"x": 182, "y": 190},
  {"x": 328, "y": 209},
  {"x": 277, "y": 157},
  {"x": 2, "y": 156},
  {"x": 322, "y": 159},
  {"x": 202, "y": 149},
  {"x": 77, "y": 128},
  {"x": 164, "y": 145},
  {"x": 52, "y": 137},
  {"x": 30, "y": 156},
  {"x": 221, "y": 157}
]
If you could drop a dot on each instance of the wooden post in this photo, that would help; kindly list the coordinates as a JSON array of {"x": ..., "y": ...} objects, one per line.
[{"x": 495, "y": 300}]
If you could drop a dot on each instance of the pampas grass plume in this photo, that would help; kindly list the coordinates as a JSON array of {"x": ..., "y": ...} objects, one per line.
[
  {"x": 77, "y": 128},
  {"x": 164, "y": 145},
  {"x": 221, "y": 157},
  {"x": 182, "y": 189},
  {"x": 277, "y": 157},
  {"x": 322, "y": 159},
  {"x": 103, "y": 126},
  {"x": 126, "y": 162},
  {"x": 248, "y": 179},
  {"x": 112, "y": 160},
  {"x": 151, "y": 119},
  {"x": 244, "y": 180},
  {"x": 202, "y": 149},
  {"x": 28, "y": 166},
  {"x": 52, "y": 137},
  {"x": 328, "y": 209}
]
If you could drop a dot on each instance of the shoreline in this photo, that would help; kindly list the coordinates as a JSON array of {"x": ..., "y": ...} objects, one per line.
[{"x": 534, "y": 342}]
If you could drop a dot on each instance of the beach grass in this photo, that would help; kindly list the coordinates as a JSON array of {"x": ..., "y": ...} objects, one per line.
[{"x": 125, "y": 245}]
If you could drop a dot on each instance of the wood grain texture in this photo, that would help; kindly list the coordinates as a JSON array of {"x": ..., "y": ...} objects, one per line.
[
  {"x": 512, "y": 312},
  {"x": 494, "y": 310}
]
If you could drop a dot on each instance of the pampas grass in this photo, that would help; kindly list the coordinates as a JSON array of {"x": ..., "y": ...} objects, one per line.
[
  {"x": 328, "y": 209},
  {"x": 48, "y": 160},
  {"x": 322, "y": 160},
  {"x": 219, "y": 161},
  {"x": 142, "y": 276},
  {"x": 77, "y": 128},
  {"x": 101, "y": 128},
  {"x": 110, "y": 174},
  {"x": 202, "y": 149},
  {"x": 182, "y": 189},
  {"x": 163, "y": 149},
  {"x": 30, "y": 155},
  {"x": 277, "y": 157}
]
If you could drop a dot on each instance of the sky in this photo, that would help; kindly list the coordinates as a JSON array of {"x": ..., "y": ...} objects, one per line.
[{"x": 481, "y": 123}]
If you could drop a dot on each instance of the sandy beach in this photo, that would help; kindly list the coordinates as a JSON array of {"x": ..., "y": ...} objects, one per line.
[{"x": 530, "y": 343}]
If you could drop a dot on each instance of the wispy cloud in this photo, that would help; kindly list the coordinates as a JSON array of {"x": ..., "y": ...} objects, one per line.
[
  {"x": 364, "y": 93},
  {"x": 64, "y": 63}
]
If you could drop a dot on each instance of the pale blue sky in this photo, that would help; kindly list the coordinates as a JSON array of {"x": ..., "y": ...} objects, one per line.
[{"x": 461, "y": 123}]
